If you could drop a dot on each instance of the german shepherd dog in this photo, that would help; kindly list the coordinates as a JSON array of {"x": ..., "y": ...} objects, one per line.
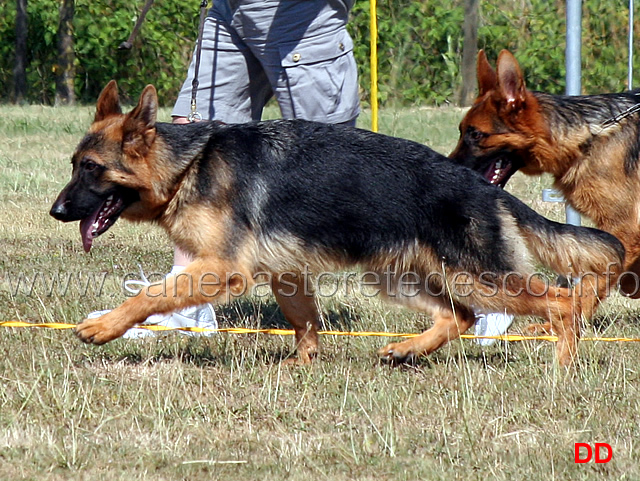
[
  {"x": 285, "y": 197},
  {"x": 590, "y": 144}
]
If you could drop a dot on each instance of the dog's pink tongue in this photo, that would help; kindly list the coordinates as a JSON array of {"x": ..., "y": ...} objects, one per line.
[{"x": 86, "y": 232}]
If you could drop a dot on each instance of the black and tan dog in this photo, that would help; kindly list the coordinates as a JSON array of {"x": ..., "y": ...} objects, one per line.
[
  {"x": 288, "y": 197},
  {"x": 590, "y": 144}
]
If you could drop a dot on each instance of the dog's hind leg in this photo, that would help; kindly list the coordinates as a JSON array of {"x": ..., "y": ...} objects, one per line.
[
  {"x": 564, "y": 315},
  {"x": 585, "y": 297},
  {"x": 448, "y": 325},
  {"x": 562, "y": 307},
  {"x": 301, "y": 311}
]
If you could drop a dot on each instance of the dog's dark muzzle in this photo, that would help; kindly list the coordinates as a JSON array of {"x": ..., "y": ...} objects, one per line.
[{"x": 60, "y": 210}]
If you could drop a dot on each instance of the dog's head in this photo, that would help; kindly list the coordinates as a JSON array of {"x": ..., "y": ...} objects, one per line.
[
  {"x": 500, "y": 130},
  {"x": 110, "y": 165}
]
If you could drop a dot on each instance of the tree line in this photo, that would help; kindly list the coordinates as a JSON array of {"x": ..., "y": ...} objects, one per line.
[{"x": 53, "y": 51}]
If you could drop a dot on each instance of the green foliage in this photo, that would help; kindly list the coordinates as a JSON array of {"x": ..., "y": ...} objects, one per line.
[
  {"x": 160, "y": 54},
  {"x": 419, "y": 46},
  {"x": 7, "y": 47}
]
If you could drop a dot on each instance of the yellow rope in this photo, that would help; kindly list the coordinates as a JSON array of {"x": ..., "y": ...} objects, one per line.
[{"x": 290, "y": 332}]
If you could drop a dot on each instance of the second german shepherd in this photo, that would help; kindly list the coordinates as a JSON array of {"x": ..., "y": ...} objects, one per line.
[
  {"x": 590, "y": 144},
  {"x": 283, "y": 198}
]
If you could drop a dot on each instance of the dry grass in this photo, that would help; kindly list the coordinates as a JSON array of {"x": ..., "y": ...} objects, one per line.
[{"x": 177, "y": 407}]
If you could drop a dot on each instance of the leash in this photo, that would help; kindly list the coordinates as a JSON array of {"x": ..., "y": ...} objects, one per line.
[
  {"x": 129, "y": 43},
  {"x": 621, "y": 116},
  {"x": 194, "y": 115}
]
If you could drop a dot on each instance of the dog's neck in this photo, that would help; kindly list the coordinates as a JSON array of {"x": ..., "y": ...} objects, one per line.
[
  {"x": 582, "y": 126},
  {"x": 185, "y": 153},
  {"x": 174, "y": 157},
  {"x": 185, "y": 141},
  {"x": 587, "y": 131},
  {"x": 180, "y": 146}
]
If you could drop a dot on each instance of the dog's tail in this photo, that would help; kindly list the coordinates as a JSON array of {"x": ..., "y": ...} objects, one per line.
[{"x": 567, "y": 249}]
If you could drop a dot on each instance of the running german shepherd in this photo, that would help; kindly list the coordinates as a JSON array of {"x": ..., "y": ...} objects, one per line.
[
  {"x": 591, "y": 145},
  {"x": 284, "y": 198}
]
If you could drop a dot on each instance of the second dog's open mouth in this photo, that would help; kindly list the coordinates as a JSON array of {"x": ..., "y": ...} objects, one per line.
[{"x": 499, "y": 171}]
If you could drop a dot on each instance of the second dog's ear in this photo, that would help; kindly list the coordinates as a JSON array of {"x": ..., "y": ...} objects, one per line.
[
  {"x": 139, "y": 128},
  {"x": 511, "y": 81},
  {"x": 487, "y": 78},
  {"x": 108, "y": 102}
]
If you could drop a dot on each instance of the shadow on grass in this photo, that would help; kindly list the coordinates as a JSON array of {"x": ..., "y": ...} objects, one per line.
[
  {"x": 267, "y": 314},
  {"x": 251, "y": 313},
  {"x": 602, "y": 323},
  {"x": 198, "y": 351},
  {"x": 497, "y": 359}
]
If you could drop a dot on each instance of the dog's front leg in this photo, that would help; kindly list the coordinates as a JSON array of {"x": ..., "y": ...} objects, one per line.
[{"x": 204, "y": 280}]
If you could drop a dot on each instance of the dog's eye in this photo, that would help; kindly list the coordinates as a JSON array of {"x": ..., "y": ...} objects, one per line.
[
  {"x": 476, "y": 135},
  {"x": 89, "y": 165}
]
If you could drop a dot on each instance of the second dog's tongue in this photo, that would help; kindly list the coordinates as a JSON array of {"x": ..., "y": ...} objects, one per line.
[{"x": 86, "y": 231}]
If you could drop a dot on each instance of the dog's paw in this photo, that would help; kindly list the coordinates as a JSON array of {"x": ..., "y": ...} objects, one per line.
[
  {"x": 305, "y": 356},
  {"x": 100, "y": 330},
  {"x": 397, "y": 353},
  {"x": 296, "y": 361},
  {"x": 538, "y": 329}
]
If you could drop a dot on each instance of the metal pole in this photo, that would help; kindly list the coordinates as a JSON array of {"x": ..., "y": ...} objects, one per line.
[
  {"x": 574, "y": 70},
  {"x": 374, "y": 64},
  {"x": 630, "y": 68}
]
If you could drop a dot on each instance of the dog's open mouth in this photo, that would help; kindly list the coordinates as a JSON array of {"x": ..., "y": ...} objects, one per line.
[
  {"x": 99, "y": 221},
  {"x": 500, "y": 171}
]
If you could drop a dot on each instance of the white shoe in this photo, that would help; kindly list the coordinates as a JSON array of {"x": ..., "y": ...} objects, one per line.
[
  {"x": 202, "y": 316},
  {"x": 492, "y": 324}
]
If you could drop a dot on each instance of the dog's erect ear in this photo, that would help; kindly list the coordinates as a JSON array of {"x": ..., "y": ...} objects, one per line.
[
  {"x": 487, "y": 78},
  {"x": 146, "y": 111},
  {"x": 511, "y": 81},
  {"x": 139, "y": 128},
  {"x": 108, "y": 102}
]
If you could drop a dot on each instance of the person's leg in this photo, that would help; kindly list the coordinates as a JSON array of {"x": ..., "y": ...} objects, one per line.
[
  {"x": 319, "y": 80},
  {"x": 236, "y": 80},
  {"x": 232, "y": 86},
  {"x": 492, "y": 325},
  {"x": 307, "y": 55}
]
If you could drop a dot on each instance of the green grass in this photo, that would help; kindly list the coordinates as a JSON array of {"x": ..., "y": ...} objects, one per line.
[{"x": 180, "y": 408}]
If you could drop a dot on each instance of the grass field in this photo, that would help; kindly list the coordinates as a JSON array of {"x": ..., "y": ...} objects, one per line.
[{"x": 196, "y": 408}]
